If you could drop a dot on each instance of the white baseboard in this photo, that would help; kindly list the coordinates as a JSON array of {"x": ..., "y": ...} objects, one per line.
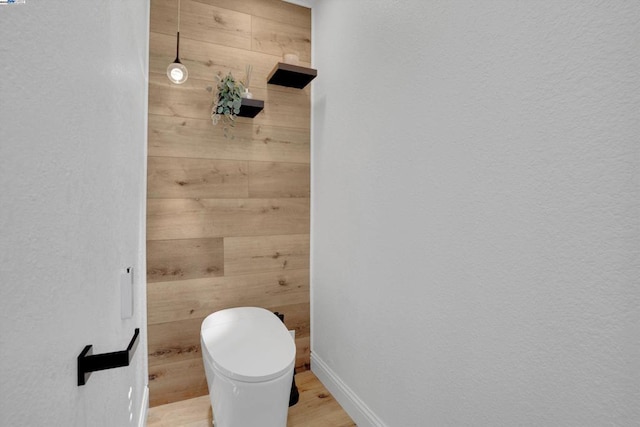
[
  {"x": 350, "y": 402},
  {"x": 144, "y": 410}
]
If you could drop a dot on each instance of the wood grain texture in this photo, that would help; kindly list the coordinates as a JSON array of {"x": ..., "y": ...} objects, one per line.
[
  {"x": 197, "y": 298},
  {"x": 197, "y": 218},
  {"x": 170, "y": 177},
  {"x": 184, "y": 259},
  {"x": 171, "y": 382},
  {"x": 274, "y": 179},
  {"x": 195, "y": 412},
  {"x": 206, "y": 60},
  {"x": 279, "y": 38},
  {"x": 180, "y": 340},
  {"x": 246, "y": 255},
  {"x": 241, "y": 201},
  {"x": 316, "y": 408},
  {"x": 178, "y": 137},
  {"x": 303, "y": 353},
  {"x": 174, "y": 341},
  {"x": 200, "y": 21},
  {"x": 192, "y": 99},
  {"x": 275, "y": 10}
]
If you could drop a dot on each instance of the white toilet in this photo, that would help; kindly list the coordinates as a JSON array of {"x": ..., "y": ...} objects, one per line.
[{"x": 249, "y": 357}]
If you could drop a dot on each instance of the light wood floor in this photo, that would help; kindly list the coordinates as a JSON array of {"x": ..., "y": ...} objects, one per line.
[{"x": 316, "y": 408}]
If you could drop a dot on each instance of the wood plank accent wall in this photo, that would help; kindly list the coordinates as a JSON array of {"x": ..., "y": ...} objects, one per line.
[{"x": 227, "y": 219}]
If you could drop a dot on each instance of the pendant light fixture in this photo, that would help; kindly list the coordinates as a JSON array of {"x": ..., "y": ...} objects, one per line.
[{"x": 177, "y": 72}]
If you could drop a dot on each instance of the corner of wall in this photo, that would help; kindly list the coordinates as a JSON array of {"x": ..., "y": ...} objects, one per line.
[
  {"x": 304, "y": 3},
  {"x": 347, "y": 398}
]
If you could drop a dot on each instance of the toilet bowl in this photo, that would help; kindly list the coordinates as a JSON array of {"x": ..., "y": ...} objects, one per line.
[{"x": 248, "y": 357}]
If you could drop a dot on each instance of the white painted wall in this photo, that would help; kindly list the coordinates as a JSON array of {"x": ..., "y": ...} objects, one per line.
[
  {"x": 303, "y": 3},
  {"x": 476, "y": 211},
  {"x": 73, "y": 83}
]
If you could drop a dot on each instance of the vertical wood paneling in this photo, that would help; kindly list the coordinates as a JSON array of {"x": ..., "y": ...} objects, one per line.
[{"x": 227, "y": 218}]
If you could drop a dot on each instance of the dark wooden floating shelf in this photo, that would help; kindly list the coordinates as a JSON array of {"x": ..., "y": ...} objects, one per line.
[
  {"x": 291, "y": 75},
  {"x": 250, "y": 107}
]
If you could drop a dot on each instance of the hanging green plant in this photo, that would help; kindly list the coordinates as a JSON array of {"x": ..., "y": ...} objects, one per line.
[{"x": 227, "y": 101}]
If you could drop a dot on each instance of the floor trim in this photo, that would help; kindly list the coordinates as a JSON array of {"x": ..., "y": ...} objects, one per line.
[
  {"x": 361, "y": 414},
  {"x": 144, "y": 410}
]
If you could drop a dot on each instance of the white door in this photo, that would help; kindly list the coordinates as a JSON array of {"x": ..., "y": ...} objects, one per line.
[{"x": 73, "y": 82}]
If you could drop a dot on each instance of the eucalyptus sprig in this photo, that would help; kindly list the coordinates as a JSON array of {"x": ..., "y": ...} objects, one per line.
[{"x": 227, "y": 101}]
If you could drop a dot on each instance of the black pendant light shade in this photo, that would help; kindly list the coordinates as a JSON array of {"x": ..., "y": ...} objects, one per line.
[{"x": 176, "y": 71}]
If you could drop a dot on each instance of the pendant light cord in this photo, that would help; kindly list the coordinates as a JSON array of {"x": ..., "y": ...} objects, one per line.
[
  {"x": 176, "y": 71},
  {"x": 178, "y": 37}
]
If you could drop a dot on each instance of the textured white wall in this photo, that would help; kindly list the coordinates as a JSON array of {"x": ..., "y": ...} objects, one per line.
[
  {"x": 476, "y": 210},
  {"x": 72, "y": 177}
]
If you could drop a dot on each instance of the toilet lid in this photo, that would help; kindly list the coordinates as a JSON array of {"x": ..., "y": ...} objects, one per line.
[{"x": 248, "y": 344}]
